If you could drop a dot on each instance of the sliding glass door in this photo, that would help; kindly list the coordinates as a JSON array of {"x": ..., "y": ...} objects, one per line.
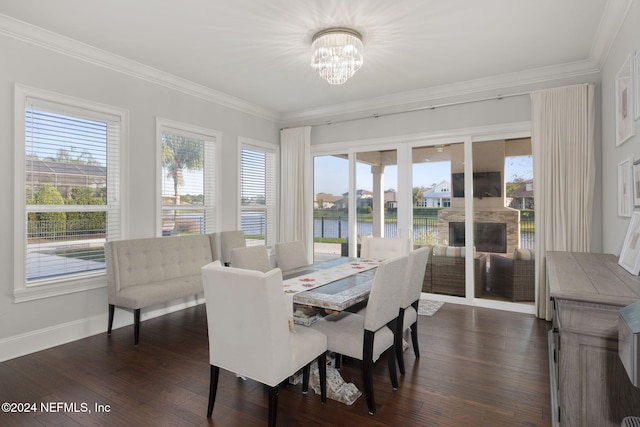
[
  {"x": 470, "y": 198},
  {"x": 330, "y": 206},
  {"x": 504, "y": 213},
  {"x": 439, "y": 215}
]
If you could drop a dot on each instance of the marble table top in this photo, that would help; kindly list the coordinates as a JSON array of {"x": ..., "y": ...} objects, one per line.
[{"x": 333, "y": 285}]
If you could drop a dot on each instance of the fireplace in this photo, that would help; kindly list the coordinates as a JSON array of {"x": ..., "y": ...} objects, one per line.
[
  {"x": 489, "y": 236},
  {"x": 508, "y": 216}
]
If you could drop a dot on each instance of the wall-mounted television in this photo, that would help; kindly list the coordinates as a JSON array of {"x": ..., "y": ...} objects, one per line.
[{"x": 485, "y": 184}]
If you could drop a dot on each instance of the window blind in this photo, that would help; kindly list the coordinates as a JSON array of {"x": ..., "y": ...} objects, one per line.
[
  {"x": 258, "y": 193},
  {"x": 71, "y": 188}
]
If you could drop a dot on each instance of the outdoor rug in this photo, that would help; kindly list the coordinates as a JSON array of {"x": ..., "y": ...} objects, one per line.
[{"x": 428, "y": 307}]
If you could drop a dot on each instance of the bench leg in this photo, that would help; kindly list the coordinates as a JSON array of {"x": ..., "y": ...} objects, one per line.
[
  {"x": 112, "y": 309},
  {"x": 136, "y": 325}
]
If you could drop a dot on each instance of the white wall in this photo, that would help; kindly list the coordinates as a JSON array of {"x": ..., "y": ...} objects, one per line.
[
  {"x": 626, "y": 43},
  {"x": 29, "y": 325}
]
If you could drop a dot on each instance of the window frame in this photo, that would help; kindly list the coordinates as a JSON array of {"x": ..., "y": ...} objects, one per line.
[
  {"x": 212, "y": 152},
  {"x": 269, "y": 148},
  {"x": 67, "y": 284}
]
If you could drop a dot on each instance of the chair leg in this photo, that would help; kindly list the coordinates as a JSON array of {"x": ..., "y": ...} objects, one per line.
[
  {"x": 367, "y": 370},
  {"x": 305, "y": 378},
  {"x": 112, "y": 309},
  {"x": 322, "y": 372},
  {"x": 414, "y": 332},
  {"x": 397, "y": 338},
  {"x": 414, "y": 339},
  {"x": 136, "y": 326},
  {"x": 273, "y": 405},
  {"x": 213, "y": 387},
  {"x": 337, "y": 360},
  {"x": 391, "y": 361}
]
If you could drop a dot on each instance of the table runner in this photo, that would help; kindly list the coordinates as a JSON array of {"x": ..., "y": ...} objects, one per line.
[{"x": 318, "y": 278}]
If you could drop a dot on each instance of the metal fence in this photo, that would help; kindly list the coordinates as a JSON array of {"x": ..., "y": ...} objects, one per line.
[
  {"x": 527, "y": 233},
  {"x": 425, "y": 229}
]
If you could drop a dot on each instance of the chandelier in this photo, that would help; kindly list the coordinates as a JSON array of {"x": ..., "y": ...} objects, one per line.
[{"x": 337, "y": 54}]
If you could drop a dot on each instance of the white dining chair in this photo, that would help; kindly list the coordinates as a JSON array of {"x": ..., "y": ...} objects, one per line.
[
  {"x": 381, "y": 248},
  {"x": 290, "y": 255},
  {"x": 367, "y": 337},
  {"x": 411, "y": 288},
  {"x": 214, "y": 240},
  {"x": 230, "y": 240},
  {"x": 249, "y": 332},
  {"x": 251, "y": 258}
]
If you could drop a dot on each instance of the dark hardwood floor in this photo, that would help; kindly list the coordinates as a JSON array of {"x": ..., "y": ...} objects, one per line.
[{"x": 478, "y": 367}]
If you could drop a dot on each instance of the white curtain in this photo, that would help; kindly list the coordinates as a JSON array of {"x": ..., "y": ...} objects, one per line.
[
  {"x": 564, "y": 176},
  {"x": 296, "y": 188}
]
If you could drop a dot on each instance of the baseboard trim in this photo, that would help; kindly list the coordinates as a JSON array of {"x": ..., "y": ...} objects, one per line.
[{"x": 42, "y": 339}]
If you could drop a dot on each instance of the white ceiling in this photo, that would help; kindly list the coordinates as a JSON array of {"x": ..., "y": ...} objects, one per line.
[{"x": 257, "y": 52}]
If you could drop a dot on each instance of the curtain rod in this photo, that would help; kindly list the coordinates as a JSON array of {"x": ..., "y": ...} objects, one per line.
[
  {"x": 429, "y": 107},
  {"x": 411, "y": 110}
]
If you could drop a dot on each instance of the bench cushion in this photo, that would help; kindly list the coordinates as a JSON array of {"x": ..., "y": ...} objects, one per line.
[{"x": 158, "y": 292}]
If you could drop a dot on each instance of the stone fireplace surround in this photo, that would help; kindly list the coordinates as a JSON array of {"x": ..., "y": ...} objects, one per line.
[{"x": 508, "y": 216}]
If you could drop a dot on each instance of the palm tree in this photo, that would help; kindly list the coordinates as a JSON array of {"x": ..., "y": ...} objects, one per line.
[
  {"x": 418, "y": 193},
  {"x": 180, "y": 153}
]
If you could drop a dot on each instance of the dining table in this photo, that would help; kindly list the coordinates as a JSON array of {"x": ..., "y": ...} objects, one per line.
[{"x": 334, "y": 286}]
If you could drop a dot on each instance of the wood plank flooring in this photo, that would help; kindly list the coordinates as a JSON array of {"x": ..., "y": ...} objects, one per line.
[{"x": 478, "y": 367}]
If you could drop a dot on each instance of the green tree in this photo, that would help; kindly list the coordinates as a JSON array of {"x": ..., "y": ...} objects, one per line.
[
  {"x": 418, "y": 195},
  {"x": 49, "y": 224},
  {"x": 180, "y": 154},
  {"x": 73, "y": 157},
  {"x": 513, "y": 185},
  {"x": 86, "y": 222}
]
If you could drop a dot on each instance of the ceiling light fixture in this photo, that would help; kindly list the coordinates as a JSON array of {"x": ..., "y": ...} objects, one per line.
[{"x": 337, "y": 54}]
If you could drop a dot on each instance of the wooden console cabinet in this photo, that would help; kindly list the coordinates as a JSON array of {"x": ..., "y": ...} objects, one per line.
[{"x": 589, "y": 385}]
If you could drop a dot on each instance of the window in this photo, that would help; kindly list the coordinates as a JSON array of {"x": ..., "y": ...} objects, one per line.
[
  {"x": 188, "y": 181},
  {"x": 67, "y": 192},
  {"x": 258, "y": 191}
]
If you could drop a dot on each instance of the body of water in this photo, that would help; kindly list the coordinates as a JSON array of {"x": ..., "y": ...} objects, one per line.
[
  {"x": 339, "y": 228},
  {"x": 253, "y": 223}
]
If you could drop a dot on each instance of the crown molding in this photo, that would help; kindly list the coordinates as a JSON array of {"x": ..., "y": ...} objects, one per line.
[
  {"x": 613, "y": 17},
  {"x": 37, "y": 36}
]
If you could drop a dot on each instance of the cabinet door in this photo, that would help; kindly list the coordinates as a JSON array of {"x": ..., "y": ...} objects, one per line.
[{"x": 594, "y": 389}]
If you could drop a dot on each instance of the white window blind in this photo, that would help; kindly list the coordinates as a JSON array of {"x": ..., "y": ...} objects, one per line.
[
  {"x": 258, "y": 193},
  {"x": 71, "y": 187}
]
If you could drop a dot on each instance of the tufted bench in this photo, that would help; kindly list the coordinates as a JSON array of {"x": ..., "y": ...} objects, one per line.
[{"x": 146, "y": 272}]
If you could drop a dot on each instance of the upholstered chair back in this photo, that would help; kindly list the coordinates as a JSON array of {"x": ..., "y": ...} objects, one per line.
[
  {"x": 291, "y": 255},
  {"x": 248, "y": 322},
  {"x": 251, "y": 258},
  {"x": 214, "y": 240},
  {"x": 384, "y": 300},
  {"x": 416, "y": 268},
  {"x": 230, "y": 240},
  {"x": 381, "y": 248}
]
